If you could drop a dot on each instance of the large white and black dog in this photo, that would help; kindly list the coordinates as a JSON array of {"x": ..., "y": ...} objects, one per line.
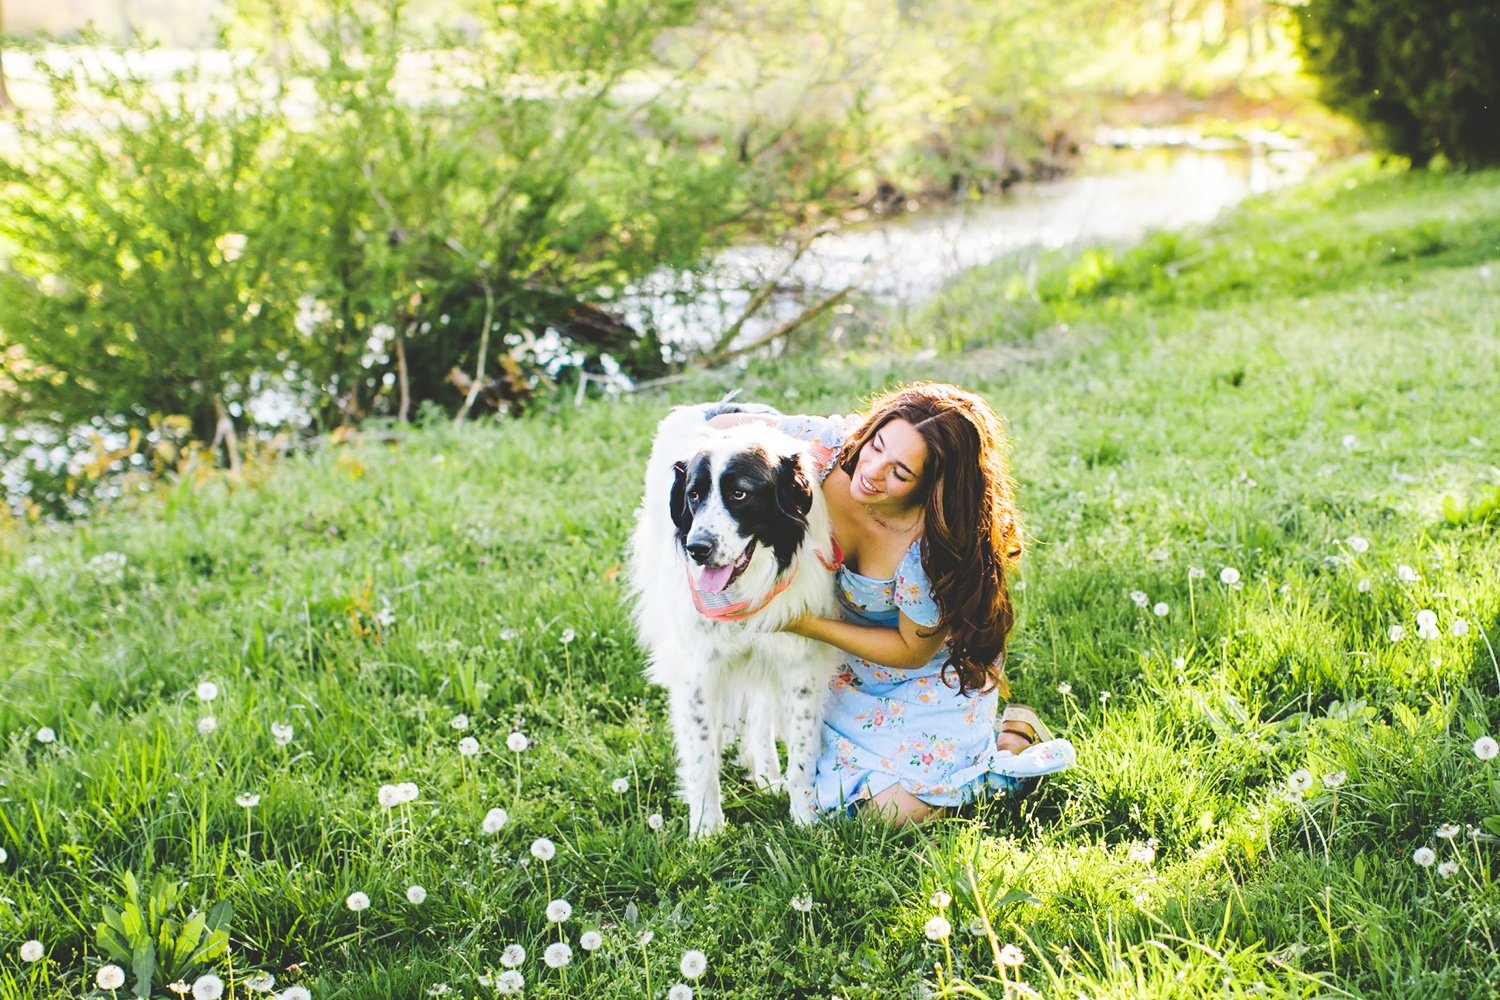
[{"x": 732, "y": 541}]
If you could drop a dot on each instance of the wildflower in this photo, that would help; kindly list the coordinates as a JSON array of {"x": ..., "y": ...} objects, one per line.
[
  {"x": 507, "y": 634},
  {"x": 1428, "y": 632},
  {"x": 208, "y": 987},
  {"x": 694, "y": 964},
  {"x": 207, "y": 724},
  {"x": 388, "y": 796},
  {"x": 590, "y": 940},
  {"x": 281, "y": 733},
  {"x": 46, "y": 735},
  {"x": 1141, "y": 854},
  {"x": 1460, "y": 627},
  {"x": 941, "y": 899},
  {"x": 468, "y": 746},
  {"x": 1357, "y": 543},
  {"x": 1406, "y": 574},
  {"x": 1299, "y": 780},
  {"x": 937, "y": 928},
  {"x": 357, "y": 901},
  {"x": 1140, "y": 598},
  {"x": 567, "y": 636},
  {"x": 543, "y": 849},
  {"x": 260, "y": 982},
  {"x": 802, "y": 904},
  {"x": 510, "y": 982},
  {"x": 494, "y": 820},
  {"x": 517, "y": 742},
  {"x": 208, "y": 691},
  {"x": 32, "y": 951},
  {"x": 620, "y": 786},
  {"x": 559, "y": 910},
  {"x": 1196, "y": 572},
  {"x": 512, "y": 956},
  {"x": 1485, "y": 748},
  {"x": 1396, "y": 633},
  {"x": 680, "y": 991},
  {"x": 1229, "y": 575},
  {"x": 1424, "y": 856},
  {"x": 1065, "y": 688},
  {"x": 110, "y": 977},
  {"x": 294, "y": 993},
  {"x": 1363, "y": 586},
  {"x": 1447, "y": 831},
  {"x": 459, "y": 721},
  {"x": 1426, "y": 618},
  {"x": 557, "y": 955},
  {"x": 406, "y": 792},
  {"x": 1104, "y": 697},
  {"x": 1335, "y": 779},
  {"x": 1448, "y": 869},
  {"x": 655, "y": 821},
  {"x": 437, "y": 989},
  {"x": 1162, "y": 609},
  {"x": 416, "y": 895},
  {"x": 1011, "y": 956}
]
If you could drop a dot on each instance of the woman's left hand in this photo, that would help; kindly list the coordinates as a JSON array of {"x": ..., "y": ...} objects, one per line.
[{"x": 801, "y": 625}]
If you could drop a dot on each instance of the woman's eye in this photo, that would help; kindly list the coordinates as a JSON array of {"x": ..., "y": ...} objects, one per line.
[{"x": 739, "y": 495}]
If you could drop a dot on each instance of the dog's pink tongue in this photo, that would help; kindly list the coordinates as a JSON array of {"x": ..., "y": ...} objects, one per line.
[{"x": 714, "y": 578}]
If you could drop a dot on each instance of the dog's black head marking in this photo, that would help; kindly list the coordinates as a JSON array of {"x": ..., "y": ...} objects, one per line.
[{"x": 768, "y": 499}]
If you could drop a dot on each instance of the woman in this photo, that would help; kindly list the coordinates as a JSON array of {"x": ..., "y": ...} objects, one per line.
[{"x": 923, "y": 509}]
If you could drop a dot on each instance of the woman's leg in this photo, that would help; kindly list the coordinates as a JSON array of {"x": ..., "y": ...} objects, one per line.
[{"x": 902, "y": 807}]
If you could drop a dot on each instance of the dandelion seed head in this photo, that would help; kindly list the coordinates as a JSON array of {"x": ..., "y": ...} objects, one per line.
[
  {"x": 507, "y": 634},
  {"x": 1350, "y": 442},
  {"x": 207, "y": 724},
  {"x": 1459, "y": 627},
  {"x": 1141, "y": 854},
  {"x": 1406, "y": 574},
  {"x": 802, "y": 904},
  {"x": 1363, "y": 586},
  {"x": 543, "y": 849},
  {"x": 1104, "y": 696},
  {"x": 1197, "y": 572},
  {"x": 1448, "y": 869},
  {"x": 567, "y": 636},
  {"x": 294, "y": 993},
  {"x": 512, "y": 956},
  {"x": 937, "y": 928},
  {"x": 517, "y": 742},
  {"x": 1424, "y": 856},
  {"x": 110, "y": 977},
  {"x": 1065, "y": 688},
  {"x": 694, "y": 963},
  {"x": 1140, "y": 598},
  {"x": 32, "y": 951},
  {"x": 388, "y": 796},
  {"x": 281, "y": 733},
  {"x": 940, "y": 899},
  {"x": 1335, "y": 779},
  {"x": 1299, "y": 780},
  {"x": 655, "y": 821},
  {"x": 620, "y": 786},
  {"x": 590, "y": 941},
  {"x": 680, "y": 991},
  {"x": 1011, "y": 956},
  {"x": 46, "y": 735},
  {"x": 208, "y": 691},
  {"x": 357, "y": 901},
  {"x": 416, "y": 895},
  {"x": 247, "y": 801},
  {"x": 1447, "y": 831},
  {"x": 208, "y": 987},
  {"x": 557, "y": 955},
  {"x": 1426, "y": 618},
  {"x": 559, "y": 910},
  {"x": 468, "y": 746},
  {"x": 494, "y": 820},
  {"x": 406, "y": 792},
  {"x": 459, "y": 721},
  {"x": 259, "y": 982},
  {"x": 975, "y": 926},
  {"x": 510, "y": 982},
  {"x": 1485, "y": 748},
  {"x": 1358, "y": 544},
  {"x": 1396, "y": 633},
  {"x": 1161, "y": 609},
  {"x": 1229, "y": 575},
  {"x": 646, "y": 937},
  {"x": 1428, "y": 632}
]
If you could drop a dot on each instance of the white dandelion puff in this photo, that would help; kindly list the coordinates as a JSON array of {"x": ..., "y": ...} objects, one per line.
[
  {"x": 1424, "y": 856},
  {"x": 937, "y": 928},
  {"x": 1447, "y": 831},
  {"x": 590, "y": 940},
  {"x": 507, "y": 634},
  {"x": 468, "y": 746},
  {"x": 559, "y": 910},
  {"x": 208, "y": 691},
  {"x": 208, "y": 987},
  {"x": 802, "y": 904},
  {"x": 1363, "y": 586},
  {"x": 1161, "y": 609},
  {"x": 940, "y": 899},
  {"x": 1011, "y": 956},
  {"x": 680, "y": 991},
  {"x": 1104, "y": 697},
  {"x": 207, "y": 724},
  {"x": 1229, "y": 575},
  {"x": 1485, "y": 748},
  {"x": 459, "y": 721},
  {"x": 1396, "y": 633},
  {"x": 1197, "y": 572},
  {"x": 1335, "y": 779},
  {"x": 567, "y": 636},
  {"x": 406, "y": 792},
  {"x": 357, "y": 901},
  {"x": 517, "y": 742},
  {"x": 1140, "y": 598},
  {"x": 620, "y": 786},
  {"x": 1299, "y": 780},
  {"x": 510, "y": 982},
  {"x": 1141, "y": 854},
  {"x": 110, "y": 977},
  {"x": 46, "y": 735},
  {"x": 694, "y": 963},
  {"x": 646, "y": 937},
  {"x": 512, "y": 956},
  {"x": 1406, "y": 574},
  {"x": 1065, "y": 688},
  {"x": 557, "y": 955},
  {"x": 32, "y": 951},
  {"x": 494, "y": 820},
  {"x": 1426, "y": 618},
  {"x": 247, "y": 801},
  {"x": 1350, "y": 442},
  {"x": 260, "y": 982},
  {"x": 1429, "y": 632},
  {"x": 1357, "y": 543},
  {"x": 655, "y": 821},
  {"x": 543, "y": 849},
  {"x": 281, "y": 733},
  {"x": 294, "y": 993},
  {"x": 1448, "y": 869},
  {"x": 416, "y": 895},
  {"x": 1459, "y": 627},
  {"x": 388, "y": 796}
]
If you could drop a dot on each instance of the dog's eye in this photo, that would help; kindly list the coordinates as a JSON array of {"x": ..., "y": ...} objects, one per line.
[
  {"x": 738, "y": 495},
  {"x": 693, "y": 495}
]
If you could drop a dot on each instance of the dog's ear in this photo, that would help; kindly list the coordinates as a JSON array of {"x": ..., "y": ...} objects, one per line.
[
  {"x": 681, "y": 516},
  {"x": 793, "y": 489}
]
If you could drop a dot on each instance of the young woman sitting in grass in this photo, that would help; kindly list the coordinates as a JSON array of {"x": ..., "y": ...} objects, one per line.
[{"x": 923, "y": 508}]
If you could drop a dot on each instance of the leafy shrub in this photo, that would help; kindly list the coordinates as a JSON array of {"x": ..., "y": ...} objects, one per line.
[{"x": 1423, "y": 77}]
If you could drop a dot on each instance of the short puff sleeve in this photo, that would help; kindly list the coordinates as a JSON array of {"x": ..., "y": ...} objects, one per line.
[
  {"x": 825, "y": 434},
  {"x": 913, "y": 592}
]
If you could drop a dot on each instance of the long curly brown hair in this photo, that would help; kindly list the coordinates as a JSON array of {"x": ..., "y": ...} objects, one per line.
[{"x": 971, "y": 533}]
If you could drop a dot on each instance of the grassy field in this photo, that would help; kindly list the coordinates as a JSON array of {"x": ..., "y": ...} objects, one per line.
[{"x": 1233, "y": 449}]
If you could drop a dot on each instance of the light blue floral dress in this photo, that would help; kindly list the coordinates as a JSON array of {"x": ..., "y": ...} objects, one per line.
[{"x": 883, "y": 726}]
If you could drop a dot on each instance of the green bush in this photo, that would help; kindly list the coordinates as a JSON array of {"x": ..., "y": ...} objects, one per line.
[{"x": 1423, "y": 76}]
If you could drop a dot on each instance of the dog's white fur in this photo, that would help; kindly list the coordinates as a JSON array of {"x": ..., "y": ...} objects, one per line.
[{"x": 728, "y": 678}]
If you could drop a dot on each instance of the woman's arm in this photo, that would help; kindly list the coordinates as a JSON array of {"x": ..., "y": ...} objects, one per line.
[
  {"x": 903, "y": 648},
  {"x": 724, "y": 420}
]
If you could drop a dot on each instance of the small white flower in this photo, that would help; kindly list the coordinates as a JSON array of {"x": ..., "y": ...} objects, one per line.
[
  {"x": 517, "y": 742},
  {"x": 46, "y": 735},
  {"x": 655, "y": 821},
  {"x": 281, "y": 733},
  {"x": 559, "y": 910},
  {"x": 1104, "y": 697},
  {"x": 406, "y": 792},
  {"x": 1179, "y": 662},
  {"x": 543, "y": 849},
  {"x": 294, "y": 993},
  {"x": 507, "y": 634},
  {"x": 1396, "y": 633},
  {"x": 1011, "y": 956},
  {"x": 208, "y": 987},
  {"x": 510, "y": 983},
  {"x": 1448, "y": 831},
  {"x": 388, "y": 796},
  {"x": 207, "y": 724},
  {"x": 1424, "y": 856},
  {"x": 110, "y": 977},
  {"x": 680, "y": 991},
  {"x": 32, "y": 951},
  {"x": 437, "y": 989},
  {"x": 1426, "y": 618},
  {"x": 567, "y": 636},
  {"x": 694, "y": 963},
  {"x": 1141, "y": 854},
  {"x": 1196, "y": 572},
  {"x": 494, "y": 820},
  {"x": 1350, "y": 442},
  {"x": 557, "y": 955},
  {"x": 1140, "y": 598},
  {"x": 247, "y": 801},
  {"x": 1161, "y": 609},
  {"x": 1363, "y": 586},
  {"x": 208, "y": 691},
  {"x": 1406, "y": 574},
  {"x": 937, "y": 928},
  {"x": 590, "y": 940},
  {"x": 1459, "y": 627},
  {"x": 1485, "y": 748},
  {"x": 1428, "y": 632},
  {"x": 1229, "y": 575},
  {"x": 1299, "y": 780},
  {"x": 1065, "y": 688},
  {"x": 802, "y": 904},
  {"x": 416, "y": 895},
  {"x": 468, "y": 746},
  {"x": 1448, "y": 869},
  {"x": 260, "y": 982},
  {"x": 940, "y": 899},
  {"x": 1335, "y": 779},
  {"x": 459, "y": 721},
  {"x": 620, "y": 786},
  {"x": 512, "y": 956},
  {"x": 357, "y": 901},
  {"x": 1357, "y": 543}
]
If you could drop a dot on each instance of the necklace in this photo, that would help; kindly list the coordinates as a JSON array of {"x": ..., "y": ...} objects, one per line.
[{"x": 891, "y": 527}]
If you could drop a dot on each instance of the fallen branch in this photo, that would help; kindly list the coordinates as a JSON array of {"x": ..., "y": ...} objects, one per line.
[{"x": 764, "y": 292}]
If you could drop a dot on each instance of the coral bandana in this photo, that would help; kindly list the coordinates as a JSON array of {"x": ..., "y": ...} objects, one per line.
[{"x": 723, "y": 607}]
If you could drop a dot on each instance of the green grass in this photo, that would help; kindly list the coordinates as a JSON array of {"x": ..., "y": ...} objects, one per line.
[{"x": 1257, "y": 411}]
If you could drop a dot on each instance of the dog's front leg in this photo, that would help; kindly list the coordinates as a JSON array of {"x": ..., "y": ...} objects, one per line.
[
  {"x": 695, "y": 722},
  {"x": 802, "y": 708}
]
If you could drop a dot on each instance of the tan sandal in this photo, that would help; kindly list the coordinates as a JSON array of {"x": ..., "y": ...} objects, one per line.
[{"x": 1022, "y": 721}]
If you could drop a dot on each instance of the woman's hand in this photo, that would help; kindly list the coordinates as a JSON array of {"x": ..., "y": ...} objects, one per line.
[{"x": 803, "y": 625}]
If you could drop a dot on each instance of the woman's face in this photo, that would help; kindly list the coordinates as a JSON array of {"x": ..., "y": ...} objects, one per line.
[{"x": 889, "y": 469}]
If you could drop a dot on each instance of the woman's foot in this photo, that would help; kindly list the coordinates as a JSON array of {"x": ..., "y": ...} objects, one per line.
[{"x": 1018, "y": 728}]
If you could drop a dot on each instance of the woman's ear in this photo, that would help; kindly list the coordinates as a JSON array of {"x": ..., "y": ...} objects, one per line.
[{"x": 793, "y": 489}]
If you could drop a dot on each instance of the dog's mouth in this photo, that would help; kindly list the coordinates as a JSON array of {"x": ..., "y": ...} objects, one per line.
[{"x": 716, "y": 579}]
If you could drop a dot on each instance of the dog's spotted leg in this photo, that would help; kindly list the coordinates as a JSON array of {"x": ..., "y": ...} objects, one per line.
[
  {"x": 803, "y": 716},
  {"x": 758, "y": 743},
  {"x": 695, "y": 721}
]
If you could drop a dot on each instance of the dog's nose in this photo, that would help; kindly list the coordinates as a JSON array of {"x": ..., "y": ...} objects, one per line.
[{"x": 700, "y": 551}]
